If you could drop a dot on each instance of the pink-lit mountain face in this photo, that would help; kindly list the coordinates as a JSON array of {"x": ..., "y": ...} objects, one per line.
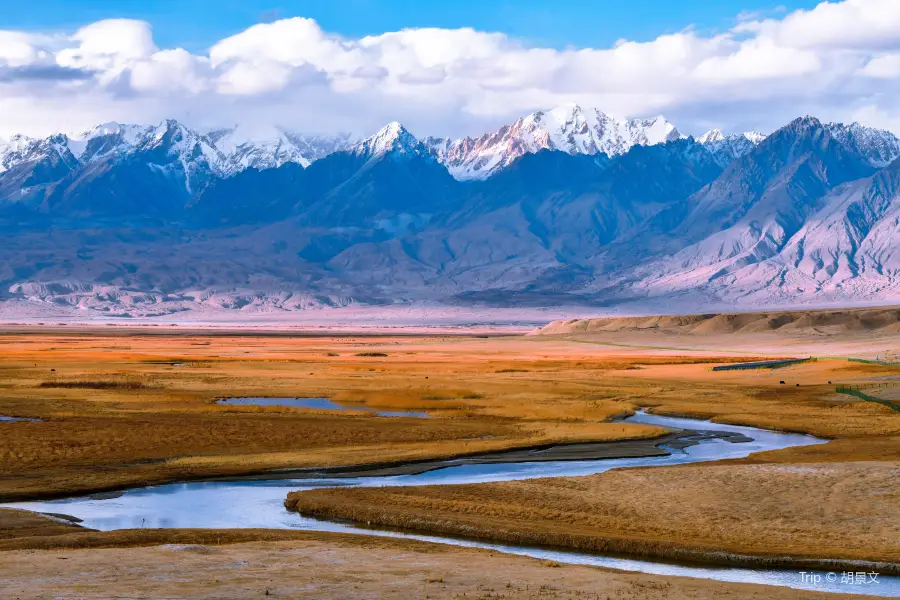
[{"x": 567, "y": 206}]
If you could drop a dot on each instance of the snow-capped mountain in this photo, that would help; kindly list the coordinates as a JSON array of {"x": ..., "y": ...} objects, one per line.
[
  {"x": 726, "y": 148},
  {"x": 569, "y": 128},
  {"x": 878, "y": 146},
  {"x": 221, "y": 152},
  {"x": 21, "y": 149},
  {"x": 392, "y": 138},
  {"x": 270, "y": 147},
  {"x": 106, "y": 140},
  {"x": 124, "y": 218},
  {"x": 793, "y": 219}
]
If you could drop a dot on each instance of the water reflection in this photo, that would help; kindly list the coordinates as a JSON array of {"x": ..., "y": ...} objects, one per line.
[{"x": 260, "y": 503}]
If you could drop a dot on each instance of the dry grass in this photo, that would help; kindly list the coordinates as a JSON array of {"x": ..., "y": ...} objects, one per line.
[
  {"x": 118, "y": 414},
  {"x": 198, "y": 564},
  {"x": 757, "y": 398},
  {"x": 481, "y": 395},
  {"x": 97, "y": 385},
  {"x": 779, "y": 514},
  {"x": 20, "y": 525}
]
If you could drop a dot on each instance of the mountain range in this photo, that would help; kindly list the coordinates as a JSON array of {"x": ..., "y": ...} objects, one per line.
[{"x": 563, "y": 207}]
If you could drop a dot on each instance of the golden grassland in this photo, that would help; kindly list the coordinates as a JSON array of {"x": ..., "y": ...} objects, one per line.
[
  {"x": 122, "y": 409},
  {"x": 795, "y": 506},
  {"x": 126, "y": 408},
  {"x": 768, "y": 514},
  {"x": 18, "y": 525},
  {"x": 301, "y": 564},
  {"x": 806, "y": 402}
]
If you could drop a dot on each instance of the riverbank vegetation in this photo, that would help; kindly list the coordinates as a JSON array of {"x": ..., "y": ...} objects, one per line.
[
  {"x": 123, "y": 407},
  {"x": 796, "y": 516},
  {"x": 303, "y": 564}
]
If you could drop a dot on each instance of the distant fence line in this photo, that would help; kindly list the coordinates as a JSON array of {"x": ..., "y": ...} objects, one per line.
[
  {"x": 883, "y": 363},
  {"x": 873, "y": 385},
  {"x": 850, "y": 390},
  {"x": 766, "y": 364}
]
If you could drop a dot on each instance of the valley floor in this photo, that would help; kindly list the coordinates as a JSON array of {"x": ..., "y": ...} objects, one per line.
[
  {"x": 285, "y": 564},
  {"x": 799, "y": 515},
  {"x": 128, "y": 407}
]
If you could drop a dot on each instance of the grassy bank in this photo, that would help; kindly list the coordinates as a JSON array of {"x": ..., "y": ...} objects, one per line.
[
  {"x": 44, "y": 557},
  {"x": 827, "y": 515},
  {"x": 129, "y": 410},
  {"x": 336, "y": 566}
]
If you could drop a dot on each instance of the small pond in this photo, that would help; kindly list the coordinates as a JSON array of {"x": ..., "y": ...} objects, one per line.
[
  {"x": 318, "y": 404},
  {"x": 5, "y": 419}
]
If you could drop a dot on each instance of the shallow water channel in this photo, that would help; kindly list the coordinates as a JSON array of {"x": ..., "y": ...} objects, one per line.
[
  {"x": 5, "y": 419},
  {"x": 259, "y": 503},
  {"x": 318, "y": 404}
]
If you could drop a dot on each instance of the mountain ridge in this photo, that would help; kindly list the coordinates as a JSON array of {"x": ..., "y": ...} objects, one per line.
[
  {"x": 139, "y": 221},
  {"x": 233, "y": 149}
]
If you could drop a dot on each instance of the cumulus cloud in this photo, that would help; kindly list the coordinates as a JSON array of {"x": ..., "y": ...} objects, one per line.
[
  {"x": 108, "y": 46},
  {"x": 19, "y": 49},
  {"x": 851, "y": 24},
  {"x": 839, "y": 60},
  {"x": 172, "y": 72}
]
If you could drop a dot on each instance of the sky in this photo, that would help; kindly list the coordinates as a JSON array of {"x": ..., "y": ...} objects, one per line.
[
  {"x": 198, "y": 24},
  {"x": 445, "y": 68}
]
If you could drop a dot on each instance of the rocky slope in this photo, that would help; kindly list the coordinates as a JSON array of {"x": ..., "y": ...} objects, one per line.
[
  {"x": 568, "y": 128},
  {"x": 131, "y": 220}
]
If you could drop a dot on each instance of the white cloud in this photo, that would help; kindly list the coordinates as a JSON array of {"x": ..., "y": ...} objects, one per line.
[
  {"x": 108, "y": 46},
  {"x": 854, "y": 24},
  {"x": 886, "y": 66},
  {"x": 18, "y": 49},
  {"x": 171, "y": 71},
  {"x": 839, "y": 60},
  {"x": 759, "y": 59}
]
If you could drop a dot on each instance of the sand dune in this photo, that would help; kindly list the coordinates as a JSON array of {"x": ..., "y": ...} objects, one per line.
[{"x": 833, "y": 321}]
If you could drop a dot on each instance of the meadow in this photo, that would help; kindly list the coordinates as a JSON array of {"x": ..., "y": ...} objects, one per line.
[
  {"x": 825, "y": 504},
  {"x": 213, "y": 564},
  {"x": 121, "y": 408},
  {"x": 809, "y": 515}
]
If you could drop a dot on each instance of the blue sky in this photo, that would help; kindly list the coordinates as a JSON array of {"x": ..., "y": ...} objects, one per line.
[
  {"x": 197, "y": 24},
  {"x": 738, "y": 65}
]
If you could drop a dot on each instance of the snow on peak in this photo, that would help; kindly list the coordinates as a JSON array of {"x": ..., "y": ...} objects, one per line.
[
  {"x": 878, "y": 146},
  {"x": 23, "y": 149},
  {"x": 271, "y": 146},
  {"x": 257, "y": 147},
  {"x": 571, "y": 128},
  {"x": 128, "y": 131},
  {"x": 713, "y": 135},
  {"x": 649, "y": 132},
  {"x": 222, "y": 152},
  {"x": 124, "y": 138},
  {"x": 726, "y": 148},
  {"x": 390, "y": 138},
  {"x": 568, "y": 128},
  {"x": 754, "y": 137}
]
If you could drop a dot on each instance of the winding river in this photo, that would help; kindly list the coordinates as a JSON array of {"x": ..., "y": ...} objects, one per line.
[{"x": 259, "y": 503}]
